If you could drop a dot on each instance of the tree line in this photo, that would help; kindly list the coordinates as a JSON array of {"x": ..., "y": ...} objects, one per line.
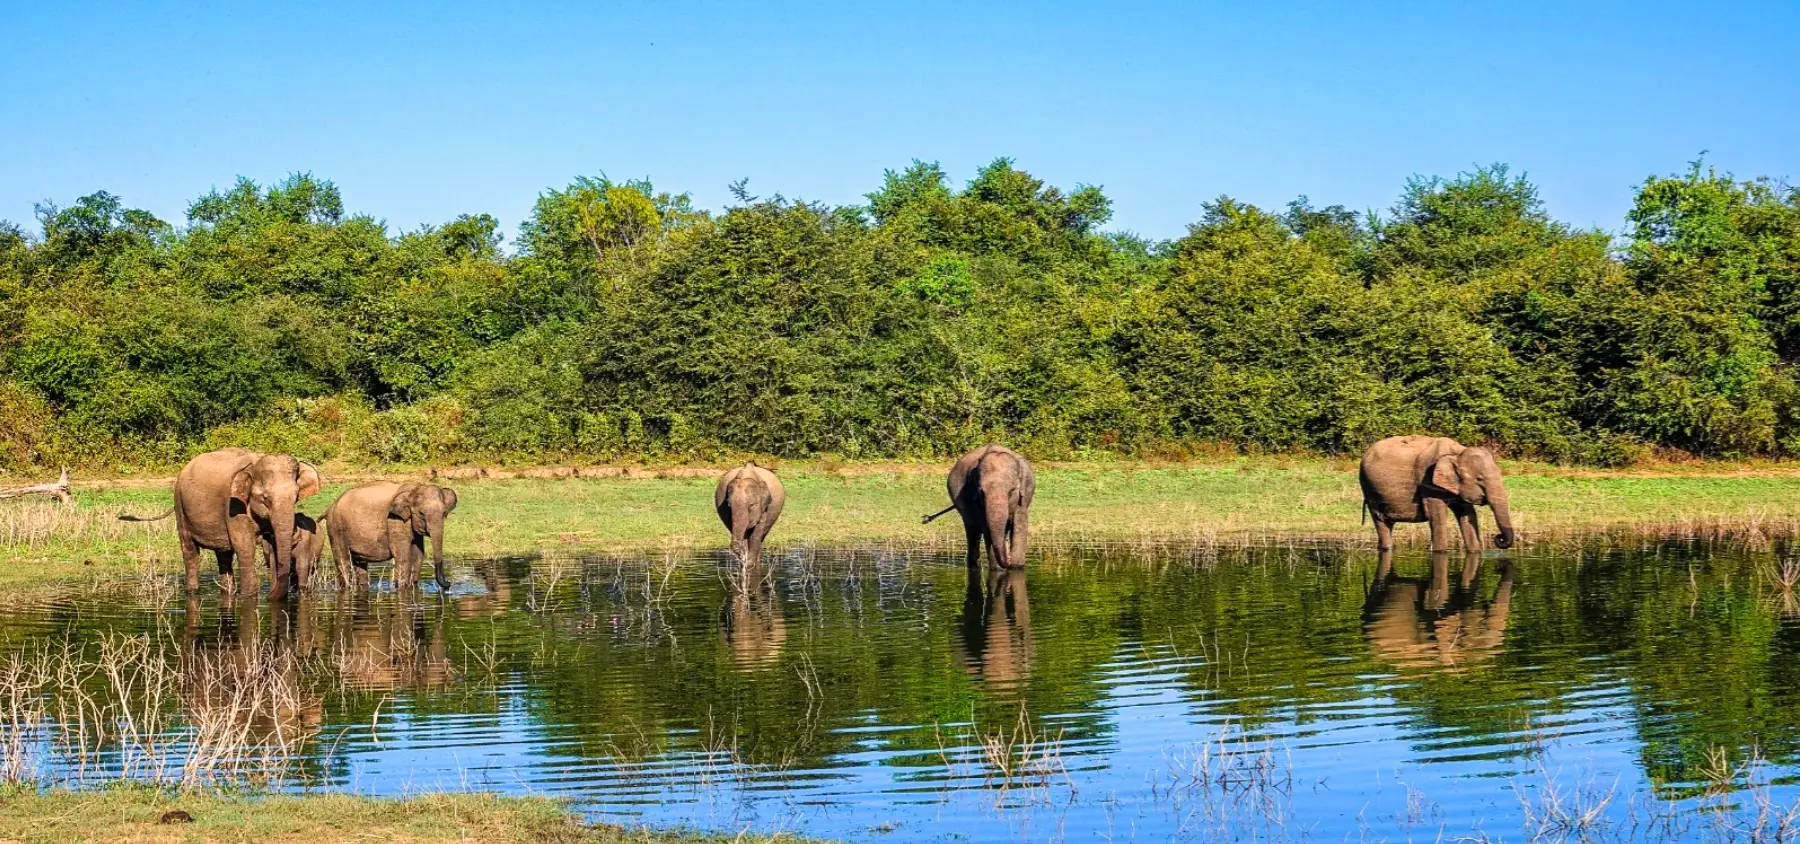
[{"x": 623, "y": 322}]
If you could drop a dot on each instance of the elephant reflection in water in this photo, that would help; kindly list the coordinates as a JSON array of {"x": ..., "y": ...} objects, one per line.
[
  {"x": 376, "y": 646},
  {"x": 494, "y": 600},
  {"x": 242, "y": 686},
  {"x": 753, "y": 626},
  {"x": 996, "y": 641},
  {"x": 1430, "y": 622}
]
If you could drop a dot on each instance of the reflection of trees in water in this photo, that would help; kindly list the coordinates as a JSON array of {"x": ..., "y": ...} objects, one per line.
[{"x": 1468, "y": 655}]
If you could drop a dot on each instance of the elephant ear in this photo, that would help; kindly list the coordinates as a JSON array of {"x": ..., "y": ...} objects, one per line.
[
  {"x": 449, "y": 496},
  {"x": 309, "y": 479},
  {"x": 240, "y": 484},
  {"x": 1443, "y": 475},
  {"x": 401, "y": 507}
]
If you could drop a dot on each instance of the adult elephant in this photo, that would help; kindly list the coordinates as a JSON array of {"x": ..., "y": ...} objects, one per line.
[
  {"x": 991, "y": 488},
  {"x": 1429, "y": 479},
  {"x": 226, "y": 500},
  {"x": 749, "y": 500},
  {"x": 383, "y": 521}
]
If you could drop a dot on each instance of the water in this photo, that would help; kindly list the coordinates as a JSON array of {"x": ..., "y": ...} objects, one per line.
[{"x": 1138, "y": 693}]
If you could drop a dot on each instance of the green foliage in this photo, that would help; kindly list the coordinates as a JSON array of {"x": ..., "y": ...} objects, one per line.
[{"x": 628, "y": 323}]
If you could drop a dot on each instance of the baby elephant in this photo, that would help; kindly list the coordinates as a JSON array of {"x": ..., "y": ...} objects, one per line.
[
  {"x": 308, "y": 546},
  {"x": 749, "y": 500},
  {"x": 991, "y": 488},
  {"x": 390, "y": 521}
]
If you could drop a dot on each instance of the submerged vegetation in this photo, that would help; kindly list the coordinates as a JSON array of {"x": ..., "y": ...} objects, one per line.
[{"x": 624, "y": 323}]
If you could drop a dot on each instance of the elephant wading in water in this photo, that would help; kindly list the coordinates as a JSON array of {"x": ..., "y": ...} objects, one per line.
[
  {"x": 749, "y": 500},
  {"x": 991, "y": 488},
  {"x": 389, "y": 521},
  {"x": 309, "y": 546},
  {"x": 1429, "y": 479},
  {"x": 226, "y": 500}
]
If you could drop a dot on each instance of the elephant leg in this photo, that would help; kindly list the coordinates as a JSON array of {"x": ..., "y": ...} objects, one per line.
[
  {"x": 972, "y": 532},
  {"x": 753, "y": 547},
  {"x": 190, "y": 550},
  {"x": 1021, "y": 534},
  {"x": 1438, "y": 514},
  {"x": 242, "y": 530},
  {"x": 417, "y": 554},
  {"x": 225, "y": 558},
  {"x": 340, "y": 560},
  {"x": 400, "y": 539},
  {"x": 1468, "y": 523},
  {"x": 1384, "y": 534}
]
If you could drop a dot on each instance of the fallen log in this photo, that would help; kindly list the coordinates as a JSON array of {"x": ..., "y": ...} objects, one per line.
[{"x": 58, "y": 490}]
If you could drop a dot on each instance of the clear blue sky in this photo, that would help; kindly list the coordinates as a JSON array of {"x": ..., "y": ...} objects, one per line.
[{"x": 420, "y": 112}]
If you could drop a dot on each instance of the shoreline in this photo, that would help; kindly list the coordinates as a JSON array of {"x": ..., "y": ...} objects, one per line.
[
  {"x": 136, "y": 812},
  {"x": 562, "y": 511}
]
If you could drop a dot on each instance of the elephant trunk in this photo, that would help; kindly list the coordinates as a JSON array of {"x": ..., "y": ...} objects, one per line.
[
  {"x": 435, "y": 525},
  {"x": 746, "y": 514},
  {"x": 1502, "y": 515},
  {"x": 281, "y": 522},
  {"x": 997, "y": 507}
]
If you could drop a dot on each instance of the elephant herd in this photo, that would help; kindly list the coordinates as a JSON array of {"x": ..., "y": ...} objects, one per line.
[{"x": 233, "y": 501}]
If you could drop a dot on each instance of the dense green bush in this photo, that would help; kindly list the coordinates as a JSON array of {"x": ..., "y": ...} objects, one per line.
[{"x": 625, "y": 323}]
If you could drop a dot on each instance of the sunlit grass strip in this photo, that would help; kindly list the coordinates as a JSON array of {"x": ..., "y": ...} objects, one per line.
[
  {"x": 126, "y": 812},
  {"x": 1242, "y": 504}
]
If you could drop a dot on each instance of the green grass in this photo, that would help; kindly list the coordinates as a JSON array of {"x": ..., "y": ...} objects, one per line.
[
  {"x": 132, "y": 813},
  {"x": 1252, "y": 499}
]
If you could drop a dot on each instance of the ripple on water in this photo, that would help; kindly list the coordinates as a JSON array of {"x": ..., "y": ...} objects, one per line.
[{"x": 1097, "y": 692}]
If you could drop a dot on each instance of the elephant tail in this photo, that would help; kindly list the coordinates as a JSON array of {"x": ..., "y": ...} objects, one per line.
[
  {"x": 126, "y": 517},
  {"x": 938, "y": 513}
]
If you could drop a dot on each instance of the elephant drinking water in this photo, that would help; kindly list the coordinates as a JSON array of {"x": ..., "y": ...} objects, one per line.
[
  {"x": 749, "y": 500},
  {"x": 1429, "y": 479},
  {"x": 389, "y": 521},
  {"x": 991, "y": 488}
]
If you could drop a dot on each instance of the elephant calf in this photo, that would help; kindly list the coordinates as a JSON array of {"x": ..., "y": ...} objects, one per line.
[
  {"x": 748, "y": 500},
  {"x": 308, "y": 546},
  {"x": 991, "y": 488},
  {"x": 1429, "y": 479},
  {"x": 389, "y": 521}
]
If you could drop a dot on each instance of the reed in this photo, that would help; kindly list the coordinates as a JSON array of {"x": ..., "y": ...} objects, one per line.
[{"x": 138, "y": 708}]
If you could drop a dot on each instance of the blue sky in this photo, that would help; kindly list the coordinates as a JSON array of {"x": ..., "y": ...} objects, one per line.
[{"x": 421, "y": 112}]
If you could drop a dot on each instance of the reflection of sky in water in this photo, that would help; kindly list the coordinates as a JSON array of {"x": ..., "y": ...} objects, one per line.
[{"x": 1414, "y": 716}]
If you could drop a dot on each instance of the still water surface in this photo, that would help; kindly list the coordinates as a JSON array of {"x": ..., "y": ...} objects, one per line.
[{"x": 1142, "y": 693}]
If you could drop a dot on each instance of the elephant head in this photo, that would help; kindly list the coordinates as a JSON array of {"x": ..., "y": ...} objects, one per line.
[
  {"x": 748, "y": 500},
  {"x": 423, "y": 507},
  {"x": 270, "y": 487},
  {"x": 1474, "y": 476}
]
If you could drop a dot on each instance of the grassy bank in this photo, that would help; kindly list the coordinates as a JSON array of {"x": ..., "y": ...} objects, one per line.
[
  {"x": 1240, "y": 500},
  {"x": 133, "y": 813}
]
